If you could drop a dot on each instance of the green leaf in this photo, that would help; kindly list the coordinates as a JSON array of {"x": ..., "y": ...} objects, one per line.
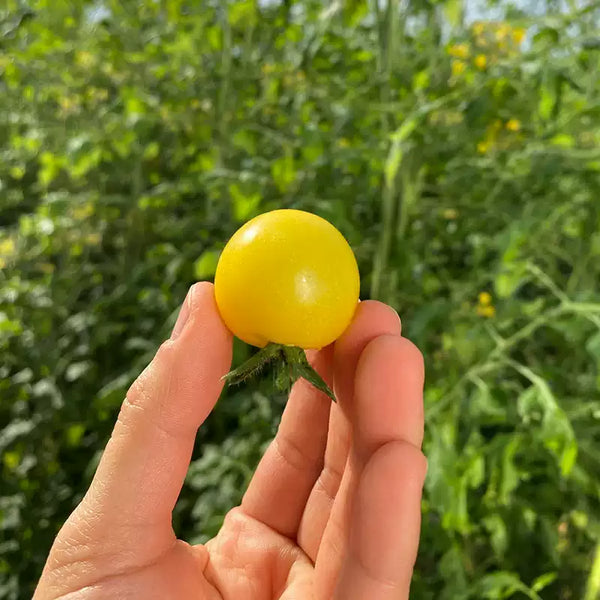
[
  {"x": 205, "y": 266},
  {"x": 50, "y": 168},
  {"x": 11, "y": 459},
  {"x": 312, "y": 152},
  {"x": 563, "y": 140},
  {"x": 498, "y": 532},
  {"x": 543, "y": 581},
  {"x": 392, "y": 163},
  {"x": 510, "y": 279},
  {"x": 421, "y": 80},
  {"x": 242, "y": 13},
  {"x": 547, "y": 99},
  {"x": 296, "y": 358},
  {"x": 245, "y": 205},
  {"x": 593, "y": 347},
  {"x": 246, "y": 140},
  {"x": 151, "y": 151},
  {"x": 592, "y": 588},
  {"x": 503, "y": 584},
  {"x": 355, "y": 11},
  {"x": 396, "y": 153},
  {"x": 510, "y": 476},
  {"x": 74, "y": 433},
  {"x": 256, "y": 363},
  {"x": 568, "y": 457},
  {"x": 214, "y": 35},
  {"x": 284, "y": 171}
]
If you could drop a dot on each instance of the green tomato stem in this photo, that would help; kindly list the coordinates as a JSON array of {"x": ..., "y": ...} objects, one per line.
[
  {"x": 296, "y": 358},
  {"x": 292, "y": 360},
  {"x": 253, "y": 365}
]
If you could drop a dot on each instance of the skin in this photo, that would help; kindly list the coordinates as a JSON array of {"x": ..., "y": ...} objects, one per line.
[{"x": 332, "y": 512}]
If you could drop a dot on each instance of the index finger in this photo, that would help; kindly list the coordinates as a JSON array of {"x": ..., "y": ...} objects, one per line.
[{"x": 143, "y": 467}]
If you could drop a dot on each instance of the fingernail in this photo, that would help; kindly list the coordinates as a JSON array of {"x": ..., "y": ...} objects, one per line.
[
  {"x": 184, "y": 314},
  {"x": 393, "y": 310}
]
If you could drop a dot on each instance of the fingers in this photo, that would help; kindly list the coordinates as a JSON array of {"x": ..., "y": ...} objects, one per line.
[
  {"x": 388, "y": 395},
  {"x": 143, "y": 467},
  {"x": 371, "y": 319},
  {"x": 282, "y": 482},
  {"x": 388, "y": 430},
  {"x": 124, "y": 521},
  {"x": 386, "y": 520},
  {"x": 318, "y": 506},
  {"x": 278, "y": 493},
  {"x": 325, "y": 523}
]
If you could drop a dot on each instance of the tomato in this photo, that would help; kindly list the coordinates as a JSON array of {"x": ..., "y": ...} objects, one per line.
[{"x": 287, "y": 277}]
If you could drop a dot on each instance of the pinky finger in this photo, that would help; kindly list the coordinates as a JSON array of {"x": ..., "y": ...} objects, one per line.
[{"x": 386, "y": 522}]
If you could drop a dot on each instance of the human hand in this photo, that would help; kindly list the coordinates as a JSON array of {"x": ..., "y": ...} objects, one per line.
[{"x": 333, "y": 510}]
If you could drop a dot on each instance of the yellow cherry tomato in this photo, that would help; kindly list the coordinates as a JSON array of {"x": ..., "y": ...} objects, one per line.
[{"x": 288, "y": 277}]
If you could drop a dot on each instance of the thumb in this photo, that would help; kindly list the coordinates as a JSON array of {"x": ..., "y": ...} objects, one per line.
[
  {"x": 126, "y": 513},
  {"x": 143, "y": 467}
]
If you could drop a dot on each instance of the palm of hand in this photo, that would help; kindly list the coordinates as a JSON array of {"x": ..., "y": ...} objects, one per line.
[{"x": 332, "y": 510}]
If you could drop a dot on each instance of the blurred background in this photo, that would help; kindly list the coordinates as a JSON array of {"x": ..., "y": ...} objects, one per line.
[{"x": 456, "y": 144}]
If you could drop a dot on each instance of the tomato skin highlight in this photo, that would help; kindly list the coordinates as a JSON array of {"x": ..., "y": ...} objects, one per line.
[{"x": 287, "y": 277}]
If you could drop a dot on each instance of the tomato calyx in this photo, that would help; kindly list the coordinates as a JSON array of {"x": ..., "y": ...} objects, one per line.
[{"x": 292, "y": 364}]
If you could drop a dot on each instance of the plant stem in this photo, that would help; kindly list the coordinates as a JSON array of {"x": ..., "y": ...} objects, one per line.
[
  {"x": 593, "y": 583},
  {"x": 293, "y": 361},
  {"x": 296, "y": 357},
  {"x": 253, "y": 365}
]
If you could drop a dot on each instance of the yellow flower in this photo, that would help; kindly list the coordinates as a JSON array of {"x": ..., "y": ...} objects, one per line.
[
  {"x": 485, "y": 298},
  {"x": 450, "y": 214},
  {"x": 485, "y": 308},
  {"x": 69, "y": 104},
  {"x": 513, "y": 125},
  {"x": 481, "y": 61},
  {"x": 7, "y": 247},
  {"x": 483, "y": 146},
  {"x": 458, "y": 67},
  {"x": 486, "y": 311},
  {"x": 478, "y": 28},
  {"x": 502, "y": 32},
  {"x": 459, "y": 51},
  {"x": 343, "y": 143},
  {"x": 268, "y": 68},
  {"x": 85, "y": 59},
  {"x": 97, "y": 94},
  {"x": 519, "y": 34},
  {"x": 83, "y": 211}
]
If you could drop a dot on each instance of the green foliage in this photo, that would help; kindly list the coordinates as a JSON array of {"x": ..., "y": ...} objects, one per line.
[{"x": 460, "y": 160}]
